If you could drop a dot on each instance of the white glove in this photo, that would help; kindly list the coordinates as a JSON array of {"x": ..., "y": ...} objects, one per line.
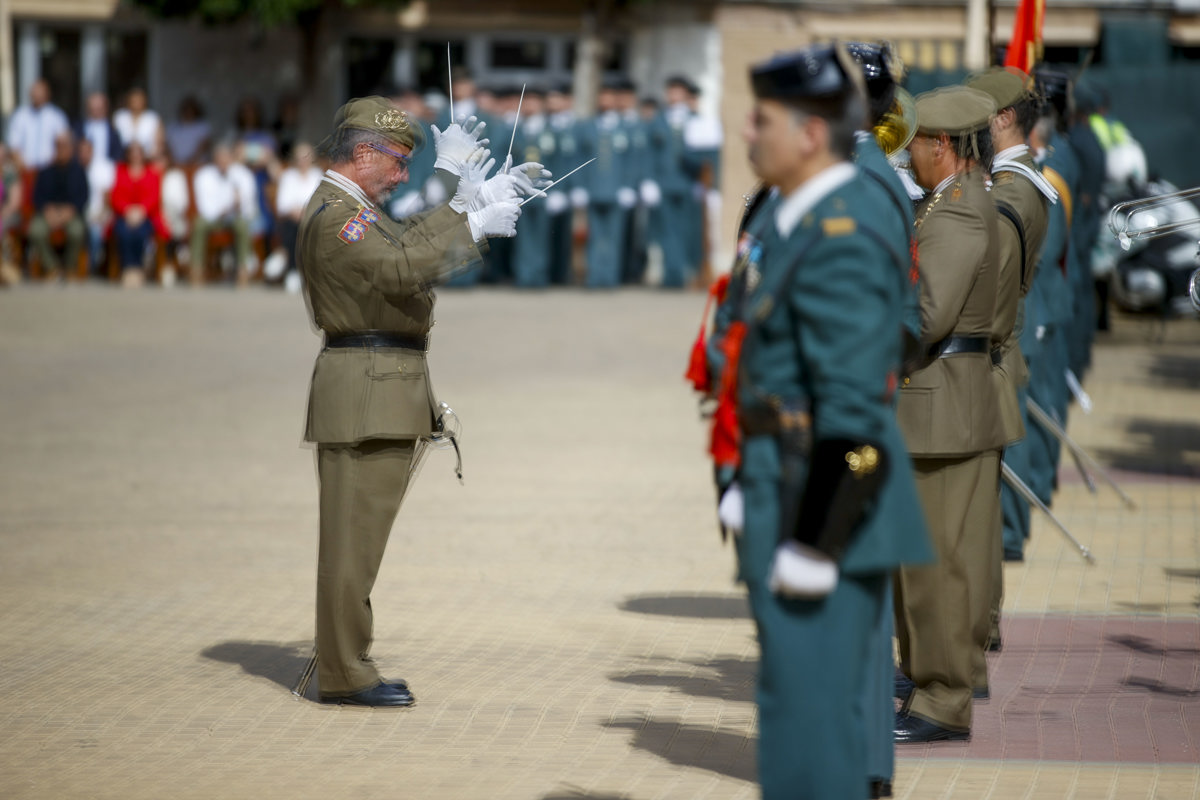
[
  {"x": 731, "y": 511},
  {"x": 802, "y": 572},
  {"x": 531, "y": 176},
  {"x": 557, "y": 202},
  {"x": 497, "y": 219},
  {"x": 626, "y": 197},
  {"x": 651, "y": 193},
  {"x": 456, "y": 144},
  {"x": 500, "y": 188},
  {"x": 474, "y": 176},
  {"x": 579, "y": 197}
]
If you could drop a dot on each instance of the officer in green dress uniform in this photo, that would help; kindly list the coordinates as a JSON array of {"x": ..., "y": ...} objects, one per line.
[
  {"x": 534, "y": 141},
  {"x": 679, "y": 211},
  {"x": 569, "y": 194},
  {"x": 368, "y": 283},
  {"x": 608, "y": 140},
  {"x": 949, "y": 411},
  {"x": 830, "y": 505},
  {"x": 890, "y": 126},
  {"x": 1022, "y": 197}
]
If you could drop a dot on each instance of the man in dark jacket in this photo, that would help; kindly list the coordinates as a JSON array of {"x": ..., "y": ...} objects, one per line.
[{"x": 60, "y": 194}]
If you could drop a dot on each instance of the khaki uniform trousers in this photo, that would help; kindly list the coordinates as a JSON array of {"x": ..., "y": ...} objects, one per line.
[
  {"x": 361, "y": 489},
  {"x": 935, "y": 619}
]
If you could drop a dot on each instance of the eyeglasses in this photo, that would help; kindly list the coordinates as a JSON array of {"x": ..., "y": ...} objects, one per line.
[{"x": 387, "y": 151}]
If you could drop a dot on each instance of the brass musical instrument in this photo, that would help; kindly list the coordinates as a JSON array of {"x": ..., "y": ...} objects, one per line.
[
  {"x": 899, "y": 124},
  {"x": 1150, "y": 218}
]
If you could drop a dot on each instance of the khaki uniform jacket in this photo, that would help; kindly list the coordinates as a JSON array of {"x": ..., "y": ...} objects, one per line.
[
  {"x": 949, "y": 408},
  {"x": 364, "y": 272},
  {"x": 1031, "y": 208}
]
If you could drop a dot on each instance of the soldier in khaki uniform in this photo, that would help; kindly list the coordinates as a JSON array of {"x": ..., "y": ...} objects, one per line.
[
  {"x": 368, "y": 282},
  {"x": 1022, "y": 198},
  {"x": 949, "y": 412}
]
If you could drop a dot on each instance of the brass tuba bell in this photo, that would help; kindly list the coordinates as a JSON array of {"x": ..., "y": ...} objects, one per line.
[{"x": 899, "y": 124}]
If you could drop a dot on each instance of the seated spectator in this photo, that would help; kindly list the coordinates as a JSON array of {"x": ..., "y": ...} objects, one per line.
[
  {"x": 263, "y": 164},
  {"x": 188, "y": 136},
  {"x": 60, "y": 196},
  {"x": 137, "y": 123},
  {"x": 296, "y": 185},
  {"x": 100, "y": 174},
  {"x": 98, "y": 129},
  {"x": 137, "y": 206},
  {"x": 226, "y": 199},
  {"x": 175, "y": 206},
  {"x": 10, "y": 214},
  {"x": 33, "y": 128}
]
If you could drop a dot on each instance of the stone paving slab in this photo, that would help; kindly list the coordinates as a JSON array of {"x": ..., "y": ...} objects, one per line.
[{"x": 567, "y": 618}]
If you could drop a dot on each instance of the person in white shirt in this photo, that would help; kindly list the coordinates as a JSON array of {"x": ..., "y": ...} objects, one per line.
[
  {"x": 226, "y": 199},
  {"x": 98, "y": 129},
  {"x": 101, "y": 173},
  {"x": 33, "y": 128},
  {"x": 138, "y": 123},
  {"x": 296, "y": 185}
]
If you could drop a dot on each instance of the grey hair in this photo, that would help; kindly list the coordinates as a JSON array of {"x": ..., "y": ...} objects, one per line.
[{"x": 340, "y": 146}]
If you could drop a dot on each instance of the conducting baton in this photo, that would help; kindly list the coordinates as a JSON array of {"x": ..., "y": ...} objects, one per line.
[
  {"x": 450, "y": 81},
  {"x": 516, "y": 122},
  {"x": 1047, "y": 422},
  {"x": 560, "y": 180},
  {"x": 1020, "y": 488}
]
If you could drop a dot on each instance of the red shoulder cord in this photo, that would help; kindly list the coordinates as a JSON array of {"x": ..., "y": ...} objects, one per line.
[{"x": 724, "y": 445}]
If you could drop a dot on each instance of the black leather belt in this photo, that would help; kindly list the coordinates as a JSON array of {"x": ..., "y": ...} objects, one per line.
[
  {"x": 770, "y": 421},
  {"x": 953, "y": 345},
  {"x": 371, "y": 339}
]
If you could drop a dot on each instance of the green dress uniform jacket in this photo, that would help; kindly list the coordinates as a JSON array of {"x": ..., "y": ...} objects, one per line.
[
  {"x": 950, "y": 408},
  {"x": 364, "y": 272},
  {"x": 1015, "y": 193},
  {"x": 826, "y": 333}
]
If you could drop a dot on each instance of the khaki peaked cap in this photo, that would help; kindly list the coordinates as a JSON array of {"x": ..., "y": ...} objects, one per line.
[
  {"x": 955, "y": 110},
  {"x": 379, "y": 116},
  {"x": 1006, "y": 85}
]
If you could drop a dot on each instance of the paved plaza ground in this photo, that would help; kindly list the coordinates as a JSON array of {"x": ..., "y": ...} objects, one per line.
[{"x": 567, "y": 618}]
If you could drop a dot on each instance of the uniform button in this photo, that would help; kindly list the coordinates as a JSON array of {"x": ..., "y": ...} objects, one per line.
[{"x": 906, "y": 381}]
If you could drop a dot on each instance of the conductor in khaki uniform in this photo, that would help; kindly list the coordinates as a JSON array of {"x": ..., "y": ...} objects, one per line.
[
  {"x": 948, "y": 411},
  {"x": 368, "y": 283},
  {"x": 1022, "y": 197}
]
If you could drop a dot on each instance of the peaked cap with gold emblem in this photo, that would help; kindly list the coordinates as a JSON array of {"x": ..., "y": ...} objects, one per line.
[{"x": 378, "y": 115}]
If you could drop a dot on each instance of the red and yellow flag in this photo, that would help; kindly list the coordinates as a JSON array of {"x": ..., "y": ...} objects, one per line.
[{"x": 1025, "y": 47}]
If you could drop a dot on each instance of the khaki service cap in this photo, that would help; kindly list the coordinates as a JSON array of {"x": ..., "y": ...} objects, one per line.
[
  {"x": 377, "y": 115},
  {"x": 955, "y": 110},
  {"x": 1006, "y": 85}
]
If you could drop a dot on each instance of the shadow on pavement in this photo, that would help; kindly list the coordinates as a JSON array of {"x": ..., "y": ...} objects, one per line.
[
  {"x": 693, "y": 606},
  {"x": 1175, "y": 371},
  {"x": 696, "y": 746},
  {"x": 731, "y": 678},
  {"x": 278, "y": 663},
  {"x": 1160, "y": 448}
]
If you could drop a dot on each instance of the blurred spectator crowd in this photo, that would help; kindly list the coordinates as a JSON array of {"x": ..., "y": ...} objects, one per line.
[{"x": 130, "y": 197}]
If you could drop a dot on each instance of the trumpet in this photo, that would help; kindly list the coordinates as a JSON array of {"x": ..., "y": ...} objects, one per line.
[{"x": 1152, "y": 217}]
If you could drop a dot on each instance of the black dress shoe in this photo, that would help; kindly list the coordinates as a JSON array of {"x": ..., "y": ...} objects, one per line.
[
  {"x": 1013, "y": 556},
  {"x": 385, "y": 695},
  {"x": 914, "y": 730},
  {"x": 903, "y": 687},
  {"x": 881, "y": 789},
  {"x": 994, "y": 645},
  {"x": 980, "y": 694}
]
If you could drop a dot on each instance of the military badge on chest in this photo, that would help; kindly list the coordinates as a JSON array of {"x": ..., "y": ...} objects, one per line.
[
  {"x": 356, "y": 227},
  {"x": 746, "y": 265}
]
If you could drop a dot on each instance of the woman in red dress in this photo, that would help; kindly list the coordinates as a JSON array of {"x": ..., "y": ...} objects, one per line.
[{"x": 137, "y": 204}]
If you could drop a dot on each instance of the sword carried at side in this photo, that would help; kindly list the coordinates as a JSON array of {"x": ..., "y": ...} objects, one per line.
[
  {"x": 1046, "y": 421},
  {"x": 1020, "y": 488}
]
